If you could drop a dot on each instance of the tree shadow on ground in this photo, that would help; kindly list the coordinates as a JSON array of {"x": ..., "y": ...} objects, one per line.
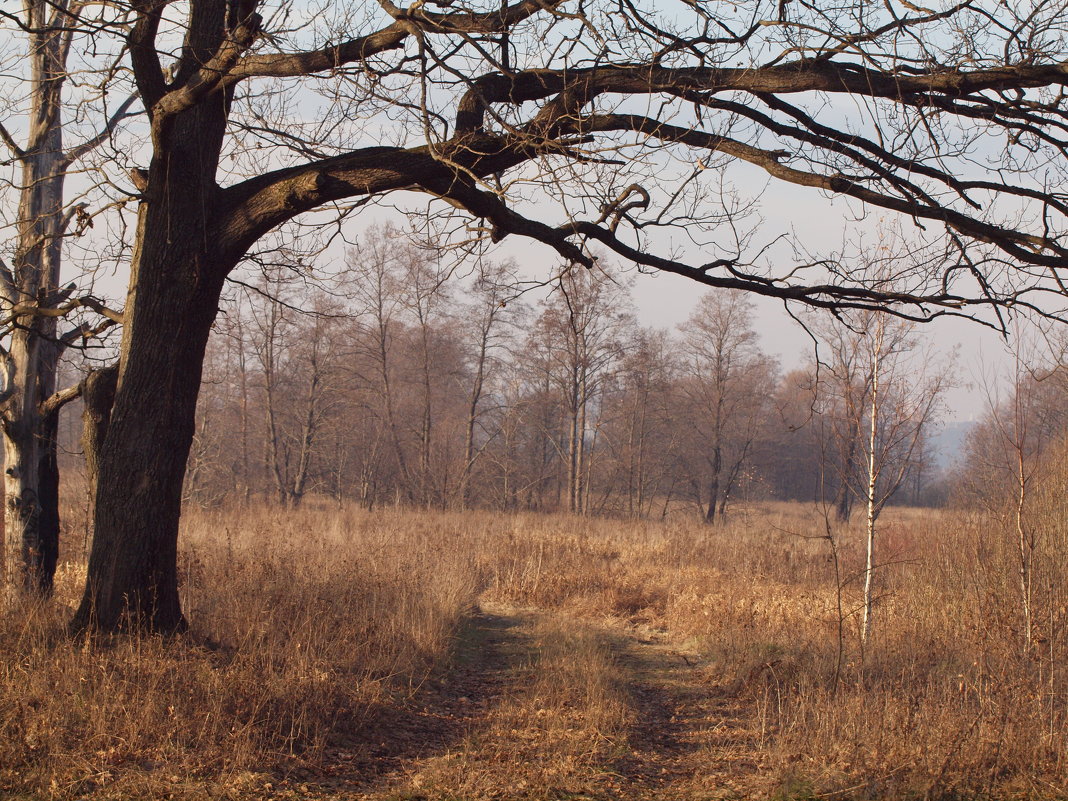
[
  {"x": 686, "y": 727},
  {"x": 451, "y": 703}
]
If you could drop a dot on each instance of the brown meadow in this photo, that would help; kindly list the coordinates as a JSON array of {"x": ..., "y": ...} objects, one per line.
[{"x": 403, "y": 654}]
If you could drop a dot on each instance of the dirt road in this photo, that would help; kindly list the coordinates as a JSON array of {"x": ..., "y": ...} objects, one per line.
[{"x": 533, "y": 705}]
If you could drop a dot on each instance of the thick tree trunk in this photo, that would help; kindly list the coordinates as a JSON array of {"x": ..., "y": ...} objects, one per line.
[
  {"x": 22, "y": 508},
  {"x": 48, "y": 494},
  {"x": 31, "y": 472},
  {"x": 132, "y": 578},
  {"x": 31, "y": 530},
  {"x": 177, "y": 273},
  {"x": 31, "y": 478}
]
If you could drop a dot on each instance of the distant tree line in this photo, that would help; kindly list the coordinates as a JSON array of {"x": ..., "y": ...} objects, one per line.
[{"x": 413, "y": 389}]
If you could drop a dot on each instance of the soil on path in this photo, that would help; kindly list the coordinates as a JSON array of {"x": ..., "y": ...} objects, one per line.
[{"x": 440, "y": 714}]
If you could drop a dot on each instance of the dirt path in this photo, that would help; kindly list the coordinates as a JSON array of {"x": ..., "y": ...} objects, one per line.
[
  {"x": 495, "y": 724},
  {"x": 691, "y": 738},
  {"x": 440, "y": 714}
]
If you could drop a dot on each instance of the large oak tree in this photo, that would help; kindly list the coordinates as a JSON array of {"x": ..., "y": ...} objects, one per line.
[{"x": 568, "y": 122}]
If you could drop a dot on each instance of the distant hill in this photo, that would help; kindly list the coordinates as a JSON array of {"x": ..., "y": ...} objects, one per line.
[{"x": 948, "y": 443}]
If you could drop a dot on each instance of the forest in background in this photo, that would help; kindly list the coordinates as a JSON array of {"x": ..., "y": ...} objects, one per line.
[{"x": 399, "y": 382}]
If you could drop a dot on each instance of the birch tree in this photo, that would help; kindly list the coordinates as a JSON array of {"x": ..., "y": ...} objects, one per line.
[{"x": 903, "y": 388}]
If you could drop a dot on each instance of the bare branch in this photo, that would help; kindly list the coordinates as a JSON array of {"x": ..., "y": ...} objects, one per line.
[
  {"x": 58, "y": 400},
  {"x": 33, "y": 309},
  {"x": 121, "y": 113},
  {"x": 391, "y": 37},
  {"x": 8, "y": 139},
  {"x": 210, "y": 76},
  {"x": 144, "y": 57}
]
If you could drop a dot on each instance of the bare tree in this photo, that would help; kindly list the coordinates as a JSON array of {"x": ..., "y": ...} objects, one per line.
[
  {"x": 902, "y": 388},
  {"x": 648, "y": 438},
  {"x": 492, "y": 308},
  {"x": 296, "y": 356},
  {"x": 793, "y": 462},
  {"x": 1007, "y": 454},
  {"x": 31, "y": 298},
  {"x": 728, "y": 382},
  {"x": 424, "y": 296},
  {"x": 579, "y": 326},
  {"x": 379, "y": 299},
  {"x": 483, "y": 106}
]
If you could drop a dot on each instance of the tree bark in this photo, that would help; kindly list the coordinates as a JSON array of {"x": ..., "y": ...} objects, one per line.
[
  {"x": 133, "y": 562},
  {"x": 31, "y": 531},
  {"x": 177, "y": 274},
  {"x": 98, "y": 396},
  {"x": 843, "y": 506},
  {"x": 716, "y": 463},
  {"x": 870, "y": 496}
]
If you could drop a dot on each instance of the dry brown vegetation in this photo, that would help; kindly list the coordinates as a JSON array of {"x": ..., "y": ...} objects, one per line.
[{"x": 394, "y": 654}]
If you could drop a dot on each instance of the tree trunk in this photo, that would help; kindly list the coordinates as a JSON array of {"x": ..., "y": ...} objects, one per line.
[
  {"x": 132, "y": 577},
  {"x": 307, "y": 434},
  {"x": 98, "y": 396},
  {"x": 22, "y": 510},
  {"x": 573, "y": 444},
  {"x": 177, "y": 274},
  {"x": 31, "y": 480},
  {"x": 472, "y": 412},
  {"x": 426, "y": 478},
  {"x": 31, "y": 531},
  {"x": 246, "y": 468},
  {"x": 48, "y": 494},
  {"x": 870, "y": 496},
  {"x": 1025, "y": 548},
  {"x": 843, "y": 506},
  {"x": 713, "y": 485}
]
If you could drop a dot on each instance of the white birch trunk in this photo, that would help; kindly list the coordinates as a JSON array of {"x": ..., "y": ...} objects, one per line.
[{"x": 873, "y": 474}]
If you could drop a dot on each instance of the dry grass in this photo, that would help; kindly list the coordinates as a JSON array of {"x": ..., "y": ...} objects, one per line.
[
  {"x": 945, "y": 703},
  {"x": 314, "y": 620},
  {"x": 319, "y": 621}
]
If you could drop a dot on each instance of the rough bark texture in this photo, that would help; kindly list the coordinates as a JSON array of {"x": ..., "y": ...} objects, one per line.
[
  {"x": 133, "y": 562},
  {"x": 31, "y": 529},
  {"x": 98, "y": 396},
  {"x": 132, "y": 573}
]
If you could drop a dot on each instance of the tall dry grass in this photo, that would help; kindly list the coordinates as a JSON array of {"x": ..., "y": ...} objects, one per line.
[
  {"x": 308, "y": 624},
  {"x": 946, "y": 701},
  {"x": 303, "y": 623}
]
